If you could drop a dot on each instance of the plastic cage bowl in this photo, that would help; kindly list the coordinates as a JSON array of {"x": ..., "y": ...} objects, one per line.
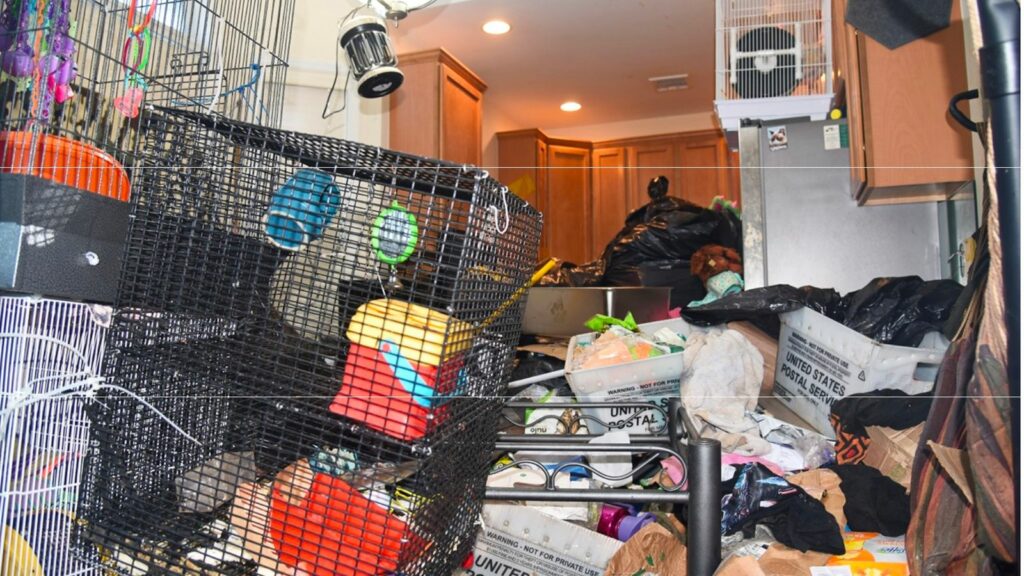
[{"x": 322, "y": 333}]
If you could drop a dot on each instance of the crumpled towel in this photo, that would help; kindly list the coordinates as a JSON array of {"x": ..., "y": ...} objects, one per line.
[{"x": 722, "y": 374}]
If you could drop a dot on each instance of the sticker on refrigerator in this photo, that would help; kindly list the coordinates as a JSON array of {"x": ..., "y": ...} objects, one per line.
[
  {"x": 777, "y": 138},
  {"x": 832, "y": 139}
]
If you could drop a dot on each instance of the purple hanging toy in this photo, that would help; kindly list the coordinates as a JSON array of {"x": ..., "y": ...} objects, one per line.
[
  {"x": 18, "y": 56},
  {"x": 58, "y": 66}
]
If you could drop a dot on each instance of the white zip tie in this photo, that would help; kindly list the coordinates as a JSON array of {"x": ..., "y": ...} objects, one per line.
[{"x": 95, "y": 383}]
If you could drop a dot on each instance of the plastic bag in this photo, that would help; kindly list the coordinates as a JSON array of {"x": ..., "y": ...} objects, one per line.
[
  {"x": 900, "y": 311},
  {"x": 794, "y": 518},
  {"x": 617, "y": 346},
  {"x": 761, "y": 306},
  {"x": 570, "y": 275},
  {"x": 666, "y": 228},
  {"x": 666, "y": 235}
]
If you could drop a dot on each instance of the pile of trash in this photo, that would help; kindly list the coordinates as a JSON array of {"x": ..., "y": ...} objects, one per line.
[
  {"x": 656, "y": 245},
  {"x": 799, "y": 498}
]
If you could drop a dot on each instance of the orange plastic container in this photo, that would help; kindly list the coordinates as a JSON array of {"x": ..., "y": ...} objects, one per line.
[
  {"x": 336, "y": 531},
  {"x": 373, "y": 394},
  {"x": 403, "y": 364},
  {"x": 63, "y": 160}
]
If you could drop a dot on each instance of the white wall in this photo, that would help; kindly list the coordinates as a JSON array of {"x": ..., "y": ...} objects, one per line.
[{"x": 311, "y": 70}]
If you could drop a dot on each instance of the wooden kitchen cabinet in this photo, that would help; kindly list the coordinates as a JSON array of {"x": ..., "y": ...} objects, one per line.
[
  {"x": 554, "y": 176},
  {"x": 698, "y": 165},
  {"x": 567, "y": 218},
  {"x": 438, "y": 111},
  {"x": 904, "y": 146},
  {"x": 647, "y": 160},
  {"x": 704, "y": 168},
  {"x": 610, "y": 197}
]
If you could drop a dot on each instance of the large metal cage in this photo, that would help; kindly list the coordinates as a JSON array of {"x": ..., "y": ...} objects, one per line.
[{"x": 323, "y": 332}]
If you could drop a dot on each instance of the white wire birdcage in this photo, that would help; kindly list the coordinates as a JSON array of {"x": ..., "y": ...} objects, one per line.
[
  {"x": 773, "y": 60},
  {"x": 49, "y": 352}
]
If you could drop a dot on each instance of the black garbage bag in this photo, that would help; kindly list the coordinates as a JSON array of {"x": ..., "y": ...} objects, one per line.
[
  {"x": 568, "y": 274},
  {"x": 671, "y": 235},
  {"x": 661, "y": 202},
  {"x": 896, "y": 311},
  {"x": 761, "y": 306},
  {"x": 901, "y": 310},
  {"x": 664, "y": 229}
]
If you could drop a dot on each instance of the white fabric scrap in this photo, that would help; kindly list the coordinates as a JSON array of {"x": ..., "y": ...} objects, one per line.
[{"x": 722, "y": 375}]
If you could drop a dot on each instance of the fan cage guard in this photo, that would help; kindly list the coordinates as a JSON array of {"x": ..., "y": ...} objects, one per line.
[
  {"x": 773, "y": 60},
  {"x": 200, "y": 50},
  {"x": 266, "y": 369},
  {"x": 49, "y": 350}
]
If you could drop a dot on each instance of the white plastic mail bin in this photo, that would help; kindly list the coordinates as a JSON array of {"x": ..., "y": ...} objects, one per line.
[
  {"x": 649, "y": 379},
  {"x": 821, "y": 361}
]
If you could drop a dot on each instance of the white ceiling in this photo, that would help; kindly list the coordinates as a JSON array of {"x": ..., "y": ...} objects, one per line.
[{"x": 597, "y": 52}]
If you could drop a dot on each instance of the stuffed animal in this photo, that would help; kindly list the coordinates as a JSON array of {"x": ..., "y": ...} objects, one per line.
[{"x": 719, "y": 268}]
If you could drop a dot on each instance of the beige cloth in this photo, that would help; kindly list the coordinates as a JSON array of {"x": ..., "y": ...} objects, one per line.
[{"x": 722, "y": 374}]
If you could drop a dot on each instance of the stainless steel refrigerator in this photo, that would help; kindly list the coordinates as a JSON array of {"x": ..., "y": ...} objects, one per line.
[{"x": 802, "y": 227}]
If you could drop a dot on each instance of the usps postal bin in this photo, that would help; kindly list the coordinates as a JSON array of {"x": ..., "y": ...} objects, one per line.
[
  {"x": 821, "y": 361},
  {"x": 641, "y": 380}
]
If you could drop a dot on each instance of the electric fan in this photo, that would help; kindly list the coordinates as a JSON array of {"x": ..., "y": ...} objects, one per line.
[{"x": 766, "y": 62}]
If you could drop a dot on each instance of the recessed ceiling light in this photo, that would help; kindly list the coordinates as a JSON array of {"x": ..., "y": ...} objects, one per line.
[
  {"x": 497, "y": 27},
  {"x": 570, "y": 106}
]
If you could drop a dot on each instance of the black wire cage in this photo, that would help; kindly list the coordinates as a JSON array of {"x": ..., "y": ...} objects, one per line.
[{"x": 309, "y": 358}]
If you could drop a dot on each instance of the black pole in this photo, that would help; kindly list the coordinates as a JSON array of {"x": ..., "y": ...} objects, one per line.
[
  {"x": 1000, "y": 78},
  {"x": 704, "y": 522}
]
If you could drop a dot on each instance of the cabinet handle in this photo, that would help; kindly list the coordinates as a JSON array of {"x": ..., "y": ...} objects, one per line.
[{"x": 960, "y": 117}]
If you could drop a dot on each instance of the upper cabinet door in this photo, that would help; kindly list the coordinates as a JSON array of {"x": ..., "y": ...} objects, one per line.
[
  {"x": 610, "y": 198},
  {"x": 461, "y": 118},
  {"x": 567, "y": 214},
  {"x": 703, "y": 168},
  {"x": 904, "y": 147},
  {"x": 648, "y": 161},
  {"x": 438, "y": 111}
]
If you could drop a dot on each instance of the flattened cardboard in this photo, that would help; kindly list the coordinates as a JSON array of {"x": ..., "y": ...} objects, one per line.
[{"x": 892, "y": 451}]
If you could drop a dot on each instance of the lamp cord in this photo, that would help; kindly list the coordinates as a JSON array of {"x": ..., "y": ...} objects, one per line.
[{"x": 337, "y": 70}]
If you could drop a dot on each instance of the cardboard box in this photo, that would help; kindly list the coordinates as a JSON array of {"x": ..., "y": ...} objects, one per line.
[
  {"x": 766, "y": 345},
  {"x": 520, "y": 541},
  {"x": 892, "y": 451},
  {"x": 821, "y": 361}
]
